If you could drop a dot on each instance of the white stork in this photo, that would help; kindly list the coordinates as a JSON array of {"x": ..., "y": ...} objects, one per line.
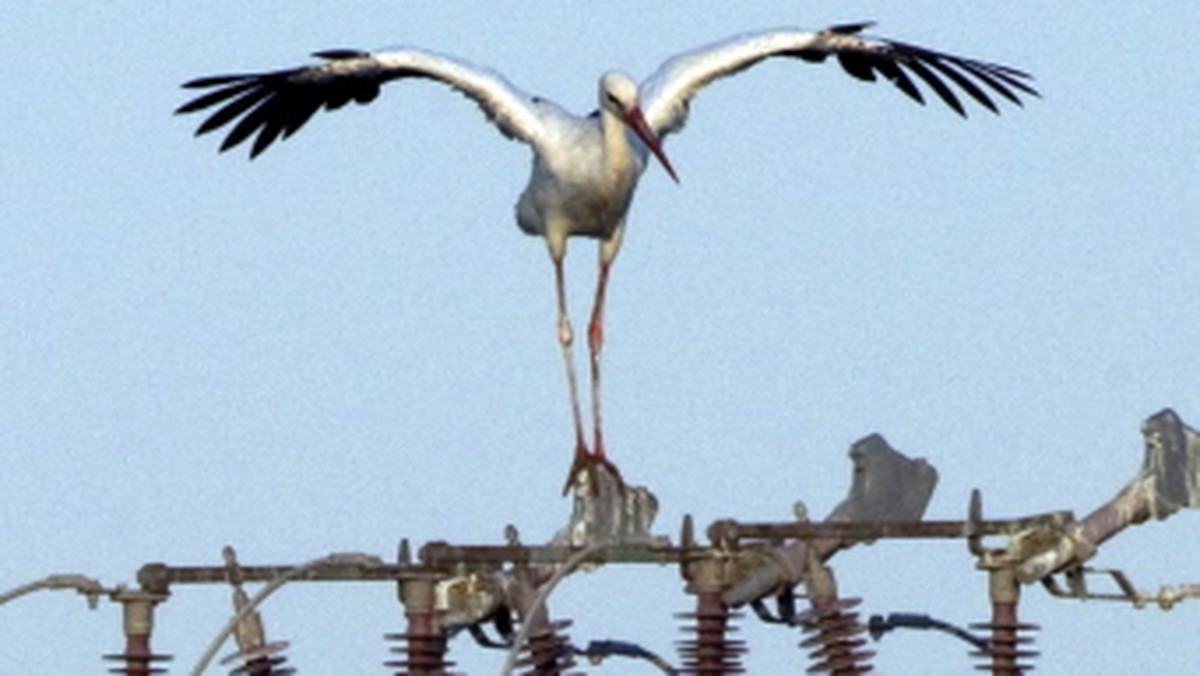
[{"x": 585, "y": 168}]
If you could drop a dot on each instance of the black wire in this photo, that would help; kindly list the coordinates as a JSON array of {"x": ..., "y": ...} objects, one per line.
[
  {"x": 599, "y": 650},
  {"x": 879, "y": 625}
]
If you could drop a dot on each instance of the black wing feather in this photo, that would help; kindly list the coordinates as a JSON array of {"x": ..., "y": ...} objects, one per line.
[
  {"x": 866, "y": 58},
  {"x": 273, "y": 105},
  {"x": 994, "y": 77},
  {"x": 1000, "y": 77},
  {"x": 893, "y": 73},
  {"x": 850, "y": 28},
  {"x": 984, "y": 74},
  {"x": 935, "y": 83},
  {"x": 857, "y": 64},
  {"x": 1013, "y": 78},
  {"x": 213, "y": 98},
  {"x": 244, "y": 128},
  {"x": 947, "y": 67},
  {"x": 250, "y": 97}
]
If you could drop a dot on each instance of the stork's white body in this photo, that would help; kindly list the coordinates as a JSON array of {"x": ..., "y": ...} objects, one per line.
[{"x": 585, "y": 171}]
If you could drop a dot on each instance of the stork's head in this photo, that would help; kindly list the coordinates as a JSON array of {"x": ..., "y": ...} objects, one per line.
[{"x": 619, "y": 97}]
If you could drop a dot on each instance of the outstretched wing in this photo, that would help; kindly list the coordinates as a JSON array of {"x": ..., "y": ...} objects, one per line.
[
  {"x": 665, "y": 96},
  {"x": 273, "y": 105}
]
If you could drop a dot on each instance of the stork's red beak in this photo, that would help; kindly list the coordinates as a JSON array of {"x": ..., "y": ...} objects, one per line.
[{"x": 637, "y": 122}]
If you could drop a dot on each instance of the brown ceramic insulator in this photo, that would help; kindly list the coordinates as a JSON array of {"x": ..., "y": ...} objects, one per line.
[{"x": 836, "y": 639}]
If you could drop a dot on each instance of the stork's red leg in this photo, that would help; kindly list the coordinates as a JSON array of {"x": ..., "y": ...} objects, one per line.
[
  {"x": 595, "y": 345},
  {"x": 566, "y": 339}
]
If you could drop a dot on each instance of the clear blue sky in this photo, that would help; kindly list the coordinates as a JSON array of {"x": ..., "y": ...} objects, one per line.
[{"x": 348, "y": 341}]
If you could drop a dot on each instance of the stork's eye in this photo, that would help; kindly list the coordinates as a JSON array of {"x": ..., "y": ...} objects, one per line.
[{"x": 612, "y": 98}]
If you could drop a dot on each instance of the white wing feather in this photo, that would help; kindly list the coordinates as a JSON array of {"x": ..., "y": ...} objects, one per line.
[
  {"x": 506, "y": 106},
  {"x": 666, "y": 95},
  {"x": 273, "y": 105}
]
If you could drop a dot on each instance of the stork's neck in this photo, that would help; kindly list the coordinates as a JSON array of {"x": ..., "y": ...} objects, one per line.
[{"x": 619, "y": 156}]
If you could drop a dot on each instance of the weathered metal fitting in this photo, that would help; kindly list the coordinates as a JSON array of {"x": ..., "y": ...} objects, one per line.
[
  {"x": 468, "y": 599},
  {"x": 1070, "y": 549}
]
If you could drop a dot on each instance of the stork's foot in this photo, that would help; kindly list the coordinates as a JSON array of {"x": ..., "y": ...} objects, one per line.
[{"x": 590, "y": 471}]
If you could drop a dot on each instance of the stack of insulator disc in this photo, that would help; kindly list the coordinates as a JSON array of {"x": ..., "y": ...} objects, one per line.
[
  {"x": 1005, "y": 648},
  {"x": 548, "y": 652},
  {"x": 426, "y": 655},
  {"x": 711, "y": 652},
  {"x": 137, "y": 664},
  {"x": 837, "y": 636}
]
